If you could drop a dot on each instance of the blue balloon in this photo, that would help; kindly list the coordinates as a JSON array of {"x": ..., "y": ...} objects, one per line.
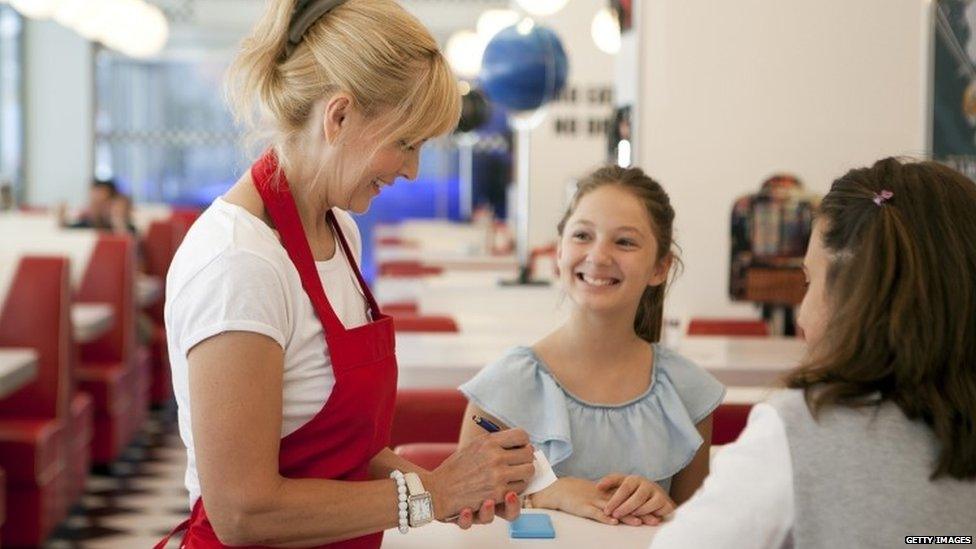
[{"x": 522, "y": 72}]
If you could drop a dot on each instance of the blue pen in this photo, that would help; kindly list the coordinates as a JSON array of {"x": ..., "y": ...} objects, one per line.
[{"x": 486, "y": 425}]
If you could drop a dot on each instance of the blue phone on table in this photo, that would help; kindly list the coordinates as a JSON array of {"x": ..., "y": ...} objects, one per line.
[{"x": 532, "y": 525}]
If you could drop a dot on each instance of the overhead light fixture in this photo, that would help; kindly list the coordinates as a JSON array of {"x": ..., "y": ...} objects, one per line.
[
  {"x": 35, "y": 9},
  {"x": 542, "y": 7},
  {"x": 605, "y": 31},
  {"x": 144, "y": 33},
  {"x": 70, "y": 13},
  {"x": 492, "y": 21},
  {"x": 464, "y": 50},
  {"x": 525, "y": 26}
]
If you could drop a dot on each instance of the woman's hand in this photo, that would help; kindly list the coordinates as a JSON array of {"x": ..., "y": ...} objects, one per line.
[
  {"x": 635, "y": 500},
  {"x": 509, "y": 510},
  {"x": 484, "y": 475},
  {"x": 576, "y": 496}
]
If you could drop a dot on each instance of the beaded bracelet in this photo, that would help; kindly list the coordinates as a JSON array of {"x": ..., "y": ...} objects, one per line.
[{"x": 401, "y": 500}]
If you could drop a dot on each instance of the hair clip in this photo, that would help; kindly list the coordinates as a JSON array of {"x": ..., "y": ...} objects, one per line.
[{"x": 883, "y": 197}]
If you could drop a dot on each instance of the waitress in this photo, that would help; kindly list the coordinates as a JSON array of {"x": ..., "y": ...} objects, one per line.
[{"x": 283, "y": 364}]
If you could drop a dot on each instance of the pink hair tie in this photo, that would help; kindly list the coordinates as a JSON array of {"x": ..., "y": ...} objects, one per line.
[{"x": 883, "y": 197}]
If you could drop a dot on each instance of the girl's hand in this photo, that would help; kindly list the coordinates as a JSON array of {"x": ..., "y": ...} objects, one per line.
[
  {"x": 576, "y": 496},
  {"x": 635, "y": 500},
  {"x": 481, "y": 474}
]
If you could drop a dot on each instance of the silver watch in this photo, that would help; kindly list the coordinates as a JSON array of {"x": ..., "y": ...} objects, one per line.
[{"x": 419, "y": 502}]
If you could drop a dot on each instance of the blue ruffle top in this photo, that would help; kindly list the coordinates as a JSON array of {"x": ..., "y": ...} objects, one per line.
[{"x": 653, "y": 435}]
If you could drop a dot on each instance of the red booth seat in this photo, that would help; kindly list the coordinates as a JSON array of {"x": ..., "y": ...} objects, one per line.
[
  {"x": 439, "y": 324},
  {"x": 727, "y": 327},
  {"x": 113, "y": 368},
  {"x": 36, "y": 435},
  {"x": 401, "y": 308},
  {"x": 32, "y": 453},
  {"x": 161, "y": 386},
  {"x": 32, "y": 450},
  {"x": 427, "y": 415},
  {"x": 3, "y": 501},
  {"x": 396, "y": 241},
  {"x": 428, "y": 455},
  {"x": 82, "y": 429},
  {"x": 159, "y": 244},
  {"x": 728, "y": 421},
  {"x": 408, "y": 269}
]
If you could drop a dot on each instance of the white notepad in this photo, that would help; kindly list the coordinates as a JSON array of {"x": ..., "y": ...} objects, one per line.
[{"x": 543, "y": 476}]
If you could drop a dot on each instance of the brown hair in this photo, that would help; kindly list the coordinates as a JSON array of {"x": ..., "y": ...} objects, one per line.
[
  {"x": 372, "y": 49},
  {"x": 902, "y": 298},
  {"x": 650, "y": 312}
]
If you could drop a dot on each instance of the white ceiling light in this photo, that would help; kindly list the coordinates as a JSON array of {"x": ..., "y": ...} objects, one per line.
[
  {"x": 35, "y": 9},
  {"x": 143, "y": 33},
  {"x": 71, "y": 12},
  {"x": 605, "y": 31},
  {"x": 464, "y": 50},
  {"x": 96, "y": 20},
  {"x": 153, "y": 35},
  {"x": 542, "y": 7},
  {"x": 492, "y": 21}
]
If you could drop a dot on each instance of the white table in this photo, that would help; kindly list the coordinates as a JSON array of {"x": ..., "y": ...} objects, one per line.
[
  {"x": 744, "y": 361},
  {"x": 748, "y": 395},
  {"x": 91, "y": 320},
  {"x": 148, "y": 290},
  {"x": 448, "y": 360},
  {"x": 460, "y": 290},
  {"x": 500, "y": 301},
  {"x": 18, "y": 367},
  {"x": 438, "y": 234},
  {"x": 571, "y": 531},
  {"x": 448, "y": 259}
]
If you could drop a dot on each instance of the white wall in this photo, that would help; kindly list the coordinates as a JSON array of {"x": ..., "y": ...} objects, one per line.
[
  {"x": 734, "y": 91},
  {"x": 59, "y": 103},
  {"x": 558, "y": 160}
]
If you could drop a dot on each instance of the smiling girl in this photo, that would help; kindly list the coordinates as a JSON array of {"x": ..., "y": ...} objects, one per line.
[{"x": 625, "y": 422}]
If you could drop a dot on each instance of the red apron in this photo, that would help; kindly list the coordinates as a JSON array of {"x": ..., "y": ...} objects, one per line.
[{"x": 354, "y": 425}]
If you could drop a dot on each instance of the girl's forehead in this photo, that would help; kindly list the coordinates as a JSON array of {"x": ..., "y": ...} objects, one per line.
[{"x": 612, "y": 203}]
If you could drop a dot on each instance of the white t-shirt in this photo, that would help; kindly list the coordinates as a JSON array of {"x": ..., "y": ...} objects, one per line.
[
  {"x": 232, "y": 274},
  {"x": 746, "y": 502}
]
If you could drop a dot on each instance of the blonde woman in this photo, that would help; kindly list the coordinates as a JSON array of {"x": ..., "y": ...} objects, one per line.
[{"x": 283, "y": 365}]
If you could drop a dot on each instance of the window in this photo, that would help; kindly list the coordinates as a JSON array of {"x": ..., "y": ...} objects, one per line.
[
  {"x": 163, "y": 130},
  {"x": 11, "y": 111}
]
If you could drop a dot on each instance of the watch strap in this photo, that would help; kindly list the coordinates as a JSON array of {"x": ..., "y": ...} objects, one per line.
[{"x": 414, "y": 485}]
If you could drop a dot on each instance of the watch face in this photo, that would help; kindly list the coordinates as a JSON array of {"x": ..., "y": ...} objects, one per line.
[{"x": 420, "y": 508}]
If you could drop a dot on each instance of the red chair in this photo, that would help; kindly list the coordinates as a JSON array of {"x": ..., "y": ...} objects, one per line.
[
  {"x": 34, "y": 433},
  {"x": 112, "y": 368},
  {"x": 727, "y": 327},
  {"x": 728, "y": 421},
  {"x": 428, "y": 455},
  {"x": 427, "y": 415},
  {"x": 408, "y": 269},
  {"x": 401, "y": 308},
  {"x": 396, "y": 241},
  {"x": 159, "y": 246},
  {"x": 429, "y": 324},
  {"x": 82, "y": 427},
  {"x": 3, "y": 500},
  {"x": 184, "y": 218}
]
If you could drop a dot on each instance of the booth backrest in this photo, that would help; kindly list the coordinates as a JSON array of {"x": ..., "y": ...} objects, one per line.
[{"x": 36, "y": 314}]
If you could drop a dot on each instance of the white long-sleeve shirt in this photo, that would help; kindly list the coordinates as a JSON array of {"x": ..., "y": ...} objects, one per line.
[{"x": 747, "y": 500}]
